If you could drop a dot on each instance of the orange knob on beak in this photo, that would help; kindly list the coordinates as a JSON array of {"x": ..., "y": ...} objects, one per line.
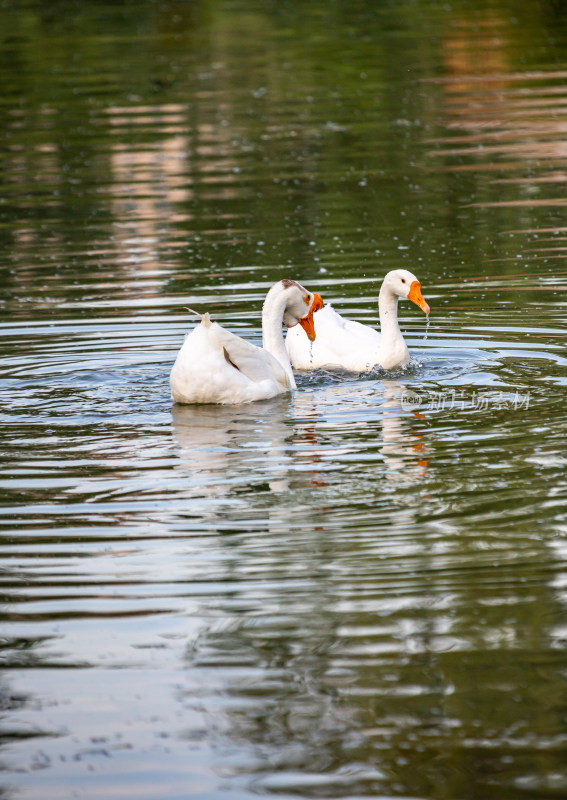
[
  {"x": 416, "y": 297},
  {"x": 306, "y": 322}
]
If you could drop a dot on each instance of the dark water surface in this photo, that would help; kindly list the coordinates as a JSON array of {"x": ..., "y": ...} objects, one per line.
[{"x": 356, "y": 592}]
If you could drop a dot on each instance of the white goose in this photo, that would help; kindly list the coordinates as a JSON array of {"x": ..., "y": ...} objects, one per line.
[
  {"x": 215, "y": 366},
  {"x": 344, "y": 343}
]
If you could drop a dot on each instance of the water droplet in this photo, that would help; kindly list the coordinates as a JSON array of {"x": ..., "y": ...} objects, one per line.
[{"x": 427, "y": 320}]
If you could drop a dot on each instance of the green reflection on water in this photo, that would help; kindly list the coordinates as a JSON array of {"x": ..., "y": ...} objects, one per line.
[
  {"x": 336, "y": 595},
  {"x": 220, "y": 139}
]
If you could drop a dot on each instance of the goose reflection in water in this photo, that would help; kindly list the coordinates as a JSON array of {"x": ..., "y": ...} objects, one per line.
[
  {"x": 405, "y": 453},
  {"x": 302, "y": 445},
  {"x": 232, "y": 448}
]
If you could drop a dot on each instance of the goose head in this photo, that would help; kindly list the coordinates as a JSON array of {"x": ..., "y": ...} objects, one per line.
[
  {"x": 403, "y": 283},
  {"x": 300, "y": 306}
]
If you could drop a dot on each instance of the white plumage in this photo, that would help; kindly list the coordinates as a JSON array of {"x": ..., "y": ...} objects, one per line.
[
  {"x": 356, "y": 347},
  {"x": 215, "y": 366}
]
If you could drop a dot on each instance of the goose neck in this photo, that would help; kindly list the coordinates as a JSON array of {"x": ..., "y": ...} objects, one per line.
[
  {"x": 272, "y": 334},
  {"x": 388, "y": 312}
]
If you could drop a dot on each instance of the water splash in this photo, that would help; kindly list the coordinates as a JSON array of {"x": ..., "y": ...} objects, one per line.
[{"x": 427, "y": 321}]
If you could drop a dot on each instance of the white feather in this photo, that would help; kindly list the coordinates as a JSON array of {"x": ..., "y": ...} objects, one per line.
[{"x": 350, "y": 345}]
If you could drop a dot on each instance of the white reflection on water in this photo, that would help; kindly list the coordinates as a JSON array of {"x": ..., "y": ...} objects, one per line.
[
  {"x": 220, "y": 446},
  {"x": 406, "y": 454}
]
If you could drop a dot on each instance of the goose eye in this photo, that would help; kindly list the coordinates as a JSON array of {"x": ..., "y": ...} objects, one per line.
[{"x": 403, "y": 280}]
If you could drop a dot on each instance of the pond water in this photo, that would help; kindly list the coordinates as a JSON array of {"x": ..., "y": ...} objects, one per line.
[{"x": 356, "y": 591}]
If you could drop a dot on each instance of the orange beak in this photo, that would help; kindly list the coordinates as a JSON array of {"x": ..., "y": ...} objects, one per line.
[
  {"x": 416, "y": 297},
  {"x": 306, "y": 322}
]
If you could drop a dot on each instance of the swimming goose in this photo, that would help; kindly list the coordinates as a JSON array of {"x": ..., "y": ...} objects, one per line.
[
  {"x": 344, "y": 343},
  {"x": 215, "y": 366}
]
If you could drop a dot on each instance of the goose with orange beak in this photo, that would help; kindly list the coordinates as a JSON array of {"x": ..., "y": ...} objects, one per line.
[
  {"x": 355, "y": 347},
  {"x": 215, "y": 366}
]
